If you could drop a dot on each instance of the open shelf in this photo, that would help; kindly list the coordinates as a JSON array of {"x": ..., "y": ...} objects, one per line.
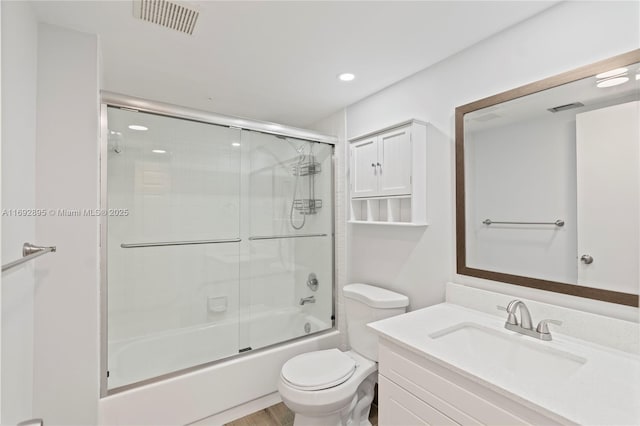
[{"x": 394, "y": 210}]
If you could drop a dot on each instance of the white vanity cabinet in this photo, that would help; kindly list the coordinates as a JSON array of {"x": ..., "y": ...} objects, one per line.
[
  {"x": 413, "y": 390},
  {"x": 388, "y": 175}
]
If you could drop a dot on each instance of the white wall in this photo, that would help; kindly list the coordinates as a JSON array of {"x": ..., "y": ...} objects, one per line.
[
  {"x": 336, "y": 125},
  {"x": 564, "y": 37},
  {"x": 66, "y": 332},
  {"x": 19, "y": 50}
]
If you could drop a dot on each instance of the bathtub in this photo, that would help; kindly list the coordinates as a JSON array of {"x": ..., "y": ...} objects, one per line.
[
  {"x": 189, "y": 395},
  {"x": 137, "y": 359}
]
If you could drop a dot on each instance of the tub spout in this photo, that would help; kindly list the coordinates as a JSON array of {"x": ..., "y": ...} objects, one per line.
[{"x": 310, "y": 299}]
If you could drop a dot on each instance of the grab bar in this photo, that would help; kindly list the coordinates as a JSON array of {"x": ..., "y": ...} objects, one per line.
[
  {"x": 277, "y": 237},
  {"x": 29, "y": 252},
  {"x": 180, "y": 243},
  {"x": 558, "y": 223}
]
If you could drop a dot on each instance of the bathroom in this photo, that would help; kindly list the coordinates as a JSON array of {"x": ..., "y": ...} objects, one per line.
[{"x": 265, "y": 75}]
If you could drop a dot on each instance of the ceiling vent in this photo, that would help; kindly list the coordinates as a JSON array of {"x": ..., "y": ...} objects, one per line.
[
  {"x": 167, "y": 13},
  {"x": 487, "y": 117},
  {"x": 566, "y": 107}
]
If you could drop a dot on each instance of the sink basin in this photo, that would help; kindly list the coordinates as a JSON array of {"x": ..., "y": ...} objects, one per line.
[{"x": 505, "y": 353}]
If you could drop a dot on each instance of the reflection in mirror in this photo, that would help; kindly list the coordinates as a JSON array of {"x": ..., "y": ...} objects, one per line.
[{"x": 551, "y": 184}]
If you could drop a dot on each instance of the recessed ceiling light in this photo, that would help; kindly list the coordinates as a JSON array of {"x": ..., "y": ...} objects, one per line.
[
  {"x": 235, "y": 143},
  {"x": 159, "y": 151},
  {"x": 612, "y": 82},
  {"x": 346, "y": 76},
  {"x": 138, "y": 127},
  {"x": 612, "y": 73},
  {"x": 637, "y": 76}
]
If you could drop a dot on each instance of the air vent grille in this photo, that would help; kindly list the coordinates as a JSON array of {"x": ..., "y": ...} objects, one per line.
[
  {"x": 166, "y": 13},
  {"x": 566, "y": 107}
]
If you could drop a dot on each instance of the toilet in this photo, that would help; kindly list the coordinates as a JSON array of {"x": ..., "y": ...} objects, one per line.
[{"x": 335, "y": 388}]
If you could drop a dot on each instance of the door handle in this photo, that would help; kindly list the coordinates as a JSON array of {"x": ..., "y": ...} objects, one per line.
[{"x": 586, "y": 259}]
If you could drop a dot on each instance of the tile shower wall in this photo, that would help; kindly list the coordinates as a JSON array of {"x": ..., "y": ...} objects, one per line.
[{"x": 188, "y": 189}]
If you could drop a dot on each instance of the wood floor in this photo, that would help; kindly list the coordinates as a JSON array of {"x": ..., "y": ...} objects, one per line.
[{"x": 280, "y": 415}]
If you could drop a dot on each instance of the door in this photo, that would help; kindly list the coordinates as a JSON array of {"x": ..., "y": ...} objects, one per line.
[
  {"x": 608, "y": 196},
  {"x": 364, "y": 168},
  {"x": 394, "y": 155}
]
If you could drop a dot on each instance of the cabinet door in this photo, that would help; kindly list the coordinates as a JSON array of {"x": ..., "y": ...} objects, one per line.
[
  {"x": 399, "y": 407},
  {"x": 607, "y": 145},
  {"x": 394, "y": 157},
  {"x": 364, "y": 170}
]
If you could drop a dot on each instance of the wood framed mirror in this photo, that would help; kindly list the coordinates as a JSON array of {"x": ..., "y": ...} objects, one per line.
[{"x": 548, "y": 183}]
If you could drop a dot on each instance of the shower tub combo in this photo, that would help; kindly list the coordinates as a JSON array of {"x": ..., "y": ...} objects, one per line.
[{"x": 220, "y": 265}]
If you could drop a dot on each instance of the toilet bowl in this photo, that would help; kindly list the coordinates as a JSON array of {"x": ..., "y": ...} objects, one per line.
[
  {"x": 335, "y": 388},
  {"x": 327, "y": 400}
]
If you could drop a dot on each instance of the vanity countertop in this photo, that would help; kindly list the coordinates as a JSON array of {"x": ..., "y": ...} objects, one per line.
[{"x": 583, "y": 382}]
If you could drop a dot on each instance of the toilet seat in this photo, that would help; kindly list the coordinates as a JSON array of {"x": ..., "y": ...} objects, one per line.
[{"x": 318, "y": 370}]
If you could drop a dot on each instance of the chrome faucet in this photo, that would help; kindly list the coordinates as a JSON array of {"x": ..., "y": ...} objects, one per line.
[
  {"x": 525, "y": 325},
  {"x": 525, "y": 315},
  {"x": 310, "y": 299}
]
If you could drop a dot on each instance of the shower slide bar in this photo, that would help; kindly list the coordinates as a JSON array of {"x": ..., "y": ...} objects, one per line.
[
  {"x": 558, "y": 223},
  {"x": 29, "y": 252},
  {"x": 180, "y": 243},
  {"x": 277, "y": 237}
]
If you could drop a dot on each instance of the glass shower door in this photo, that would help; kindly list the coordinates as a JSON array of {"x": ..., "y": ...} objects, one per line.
[
  {"x": 173, "y": 245},
  {"x": 287, "y": 288}
]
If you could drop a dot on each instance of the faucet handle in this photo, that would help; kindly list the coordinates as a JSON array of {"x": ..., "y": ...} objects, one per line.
[
  {"x": 511, "y": 319},
  {"x": 542, "y": 325}
]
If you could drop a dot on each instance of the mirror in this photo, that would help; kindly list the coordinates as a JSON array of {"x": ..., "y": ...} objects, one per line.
[{"x": 548, "y": 183}]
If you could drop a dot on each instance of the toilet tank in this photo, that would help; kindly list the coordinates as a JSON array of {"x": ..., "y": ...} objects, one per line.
[{"x": 365, "y": 303}]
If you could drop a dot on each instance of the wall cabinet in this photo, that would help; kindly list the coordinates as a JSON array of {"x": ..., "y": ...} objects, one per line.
[
  {"x": 388, "y": 175},
  {"x": 413, "y": 390}
]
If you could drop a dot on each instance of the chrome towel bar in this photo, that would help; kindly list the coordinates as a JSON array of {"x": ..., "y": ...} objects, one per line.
[
  {"x": 180, "y": 243},
  {"x": 277, "y": 237},
  {"x": 29, "y": 252},
  {"x": 558, "y": 223}
]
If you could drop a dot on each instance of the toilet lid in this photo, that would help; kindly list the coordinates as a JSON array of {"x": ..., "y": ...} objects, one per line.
[{"x": 318, "y": 370}]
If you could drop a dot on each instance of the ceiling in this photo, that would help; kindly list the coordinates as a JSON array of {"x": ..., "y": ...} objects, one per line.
[
  {"x": 536, "y": 105},
  {"x": 278, "y": 61}
]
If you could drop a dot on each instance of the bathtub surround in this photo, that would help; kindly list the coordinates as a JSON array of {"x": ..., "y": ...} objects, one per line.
[{"x": 251, "y": 374}]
